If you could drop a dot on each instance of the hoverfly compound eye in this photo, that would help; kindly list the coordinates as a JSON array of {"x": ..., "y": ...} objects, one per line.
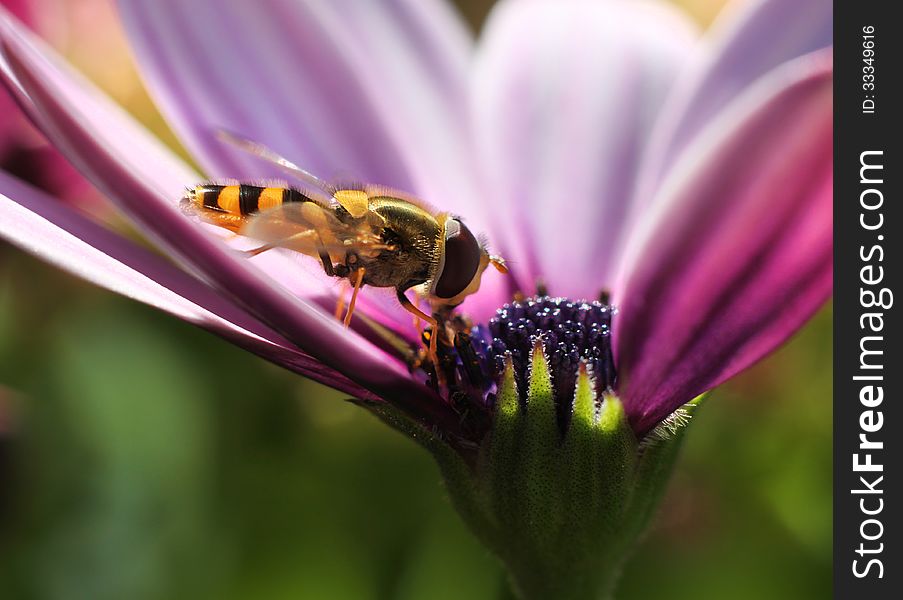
[{"x": 462, "y": 260}]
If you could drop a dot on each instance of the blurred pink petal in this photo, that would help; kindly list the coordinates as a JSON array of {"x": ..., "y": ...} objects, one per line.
[
  {"x": 23, "y": 151},
  {"x": 28, "y": 156},
  {"x": 736, "y": 253},
  {"x": 565, "y": 95},
  {"x": 10, "y": 118},
  {"x": 749, "y": 39},
  {"x": 375, "y": 91},
  {"x": 123, "y": 137}
]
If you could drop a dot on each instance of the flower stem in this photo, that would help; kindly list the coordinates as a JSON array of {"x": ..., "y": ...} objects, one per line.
[{"x": 588, "y": 584}]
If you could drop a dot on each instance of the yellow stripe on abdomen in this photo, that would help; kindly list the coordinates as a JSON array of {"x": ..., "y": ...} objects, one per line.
[
  {"x": 228, "y": 199},
  {"x": 270, "y": 197}
]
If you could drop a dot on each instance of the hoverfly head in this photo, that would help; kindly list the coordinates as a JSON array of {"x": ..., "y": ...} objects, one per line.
[{"x": 461, "y": 265}]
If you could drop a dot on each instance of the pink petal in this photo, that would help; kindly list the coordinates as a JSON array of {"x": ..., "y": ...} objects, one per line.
[
  {"x": 131, "y": 142},
  {"x": 749, "y": 39},
  {"x": 133, "y": 145},
  {"x": 736, "y": 253},
  {"x": 42, "y": 226},
  {"x": 565, "y": 94},
  {"x": 374, "y": 91},
  {"x": 495, "y": 290},
  {"x": 73, "y": 117}
]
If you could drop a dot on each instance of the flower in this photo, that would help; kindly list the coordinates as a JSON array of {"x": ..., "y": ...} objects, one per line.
[
  {"x": 699, "y": 200},
  {"x": 601, "y": 146}
]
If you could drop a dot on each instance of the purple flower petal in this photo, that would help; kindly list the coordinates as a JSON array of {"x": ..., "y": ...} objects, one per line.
[
  {"x": 73, "y": 118},
  {"x": 495, "y": 290},
  {"x": 127, "y": 139},
  {"x": 736, "y": 253},
  {"x": 375, "y": 91},
  {"x": 565, "y": 94},
  {"x": 42, "y": 226},
  {"x": 749, "y": 40},
  {"x": 132, "y": 145},
  {"x": 22, "y": 9}
]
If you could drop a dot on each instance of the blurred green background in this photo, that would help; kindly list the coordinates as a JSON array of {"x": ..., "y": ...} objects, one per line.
[{"x": 141, "y": 458}]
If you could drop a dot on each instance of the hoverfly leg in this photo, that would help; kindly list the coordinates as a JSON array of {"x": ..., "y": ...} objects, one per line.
[
  {"x": 325, "y": 259},
  {"x": 434, "y": 323},
  {"x": 340, "y": 303},
  {"x": 258, "y": 250},
  {"x": 418, "y": 322},
  {"x": 357, "y": 287}
]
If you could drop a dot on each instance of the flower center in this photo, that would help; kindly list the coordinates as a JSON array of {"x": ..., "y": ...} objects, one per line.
[{"x": 571, "y": 333}]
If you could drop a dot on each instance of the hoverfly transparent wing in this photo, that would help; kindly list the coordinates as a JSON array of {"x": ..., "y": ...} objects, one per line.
[
  {"x": 311, "y": 229},
  {"x": 260, "y": 151},
  {"x": 356, "y": 202}
]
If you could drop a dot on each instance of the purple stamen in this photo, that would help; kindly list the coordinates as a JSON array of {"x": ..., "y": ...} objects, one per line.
[{"x": 571, "y": 332}]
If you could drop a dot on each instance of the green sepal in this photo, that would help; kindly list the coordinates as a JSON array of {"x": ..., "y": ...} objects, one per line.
[
  {"x": 582, "y": 453},
  {"x": 562, "y": 512},
  {"x": 657, "y": 456},
  {"x": 538, "y": 491},
  {"x": 501, "y": 482},
  {"x": 558, "y": 500}
]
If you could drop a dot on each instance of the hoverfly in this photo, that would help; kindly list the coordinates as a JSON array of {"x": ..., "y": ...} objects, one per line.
[{"x": 368, "y": 234}]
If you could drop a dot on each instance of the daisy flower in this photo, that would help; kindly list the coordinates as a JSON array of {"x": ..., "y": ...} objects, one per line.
[{"x": 663, "y": 200}]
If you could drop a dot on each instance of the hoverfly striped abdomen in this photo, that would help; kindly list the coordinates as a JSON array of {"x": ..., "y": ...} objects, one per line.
[{"x": 243, "y": 199}]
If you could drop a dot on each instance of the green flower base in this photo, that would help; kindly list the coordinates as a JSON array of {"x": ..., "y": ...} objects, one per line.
[{"x": 562, "y": 512}]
